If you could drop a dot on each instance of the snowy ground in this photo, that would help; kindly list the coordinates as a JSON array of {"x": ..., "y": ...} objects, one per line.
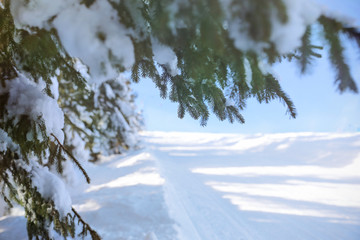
[{"x": 191, "y": 186}]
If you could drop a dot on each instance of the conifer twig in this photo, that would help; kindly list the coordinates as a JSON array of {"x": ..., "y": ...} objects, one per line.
[
  {"x": 73, "y": 158},
  {"x": 93, "y": 233}
]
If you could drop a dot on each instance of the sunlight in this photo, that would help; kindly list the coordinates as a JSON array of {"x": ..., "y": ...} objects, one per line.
[
  {"x": 215, "y": 142},
  {"x": 235, "y": 142},
  {"x": 182, "y": 154},
  {"x": 347, "y": 172},
  {"x": 89, "y": 205},
  {"x": 335, "y": 194},
  {"x": 131, "y": 161},
  {"x": 283, "y": 146},
  {"x": 146, "y": 176},
  {"x": 258, "y": 205},
  {"x": 15, "y": 212}
]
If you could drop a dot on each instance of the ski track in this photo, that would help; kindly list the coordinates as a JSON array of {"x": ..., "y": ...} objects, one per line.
[
  {"x": 203, "y": 207},
  {"x": 197, "y": 186},
  {"x": 202, "y": 212}
]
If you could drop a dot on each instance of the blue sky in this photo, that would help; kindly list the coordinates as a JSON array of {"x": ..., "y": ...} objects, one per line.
[{"x": 320, "y": 107}]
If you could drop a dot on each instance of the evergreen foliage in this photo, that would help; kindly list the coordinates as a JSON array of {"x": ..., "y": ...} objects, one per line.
[
  {"x": 207, "y": 56},
  {"x": 307, "y": 51},
  {"x": 332, "y": 29}
]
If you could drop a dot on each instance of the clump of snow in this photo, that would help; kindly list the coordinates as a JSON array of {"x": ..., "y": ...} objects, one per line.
[
  {"x": 37, "y": 12},
  {"x": 54, "y": 87},
  {"x": 6, "y": 142},
  {"x": 48, "y": 184},
  {"x": 265, "y": 68},
  {"x": 51, "y": 187},
  {"x": 82, "y": 69},
  {"x": 285, "y": 36},
  {"x": 165, "y": 55},
  {"x": 238, "y": 29},
  {"x": 242, "y": 41},
  {"x": 109, "y": 92},
  {"x": 301, "y": 13},
  {"x": 92, "y": 34},
  {"x": 26, "y": 98},
  {"x": 248, "y": 72}
]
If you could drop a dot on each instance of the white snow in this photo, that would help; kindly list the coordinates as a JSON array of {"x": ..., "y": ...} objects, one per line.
[
  {"x": 54, "y": 87},
  {"x": 82, "y": 69},
  {"x": 6, "y": 142},
  {"x": 285, "y": 36},
  {"x": 191, "y": 186},
  {"x": 165, "y": 55},
  {"x": 109, "y": 92},
  {"x": 248, "y": 72},
  {"x": 224, "y": 186},
  {"x": 86, "y": 33},
  {"x": 36, "y": 12},
  {"x": 27, "y": 98},
  {"x": 301, "y": 13},
  {"x": 80, "y": 152},
  {"x": 51, "y": 187},
  {"x": 237, "y": 32},
  {"x": 79, "y": 28}
]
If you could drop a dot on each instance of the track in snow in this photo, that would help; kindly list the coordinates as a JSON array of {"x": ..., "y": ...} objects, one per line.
[
  {"x": 280, "y": 186},
  {"x": 190, "y": 186}
]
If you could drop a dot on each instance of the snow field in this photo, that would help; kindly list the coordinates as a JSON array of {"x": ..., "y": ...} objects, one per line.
[
  {"x": 191, "y": 186},
  {"x": 272, "y": 186}
]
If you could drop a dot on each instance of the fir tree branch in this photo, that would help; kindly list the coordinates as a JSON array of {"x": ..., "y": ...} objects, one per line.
[
  {"x": 73, "y": 158},
  {"x": 93, "y": 233},
  {"x": 78, "y": 129},
  {"x": 331, "y": 31},
  {"x": 273, "y": 87},
  {"x": 11, "y": 188},
  {"x": 306, "y": 51}
]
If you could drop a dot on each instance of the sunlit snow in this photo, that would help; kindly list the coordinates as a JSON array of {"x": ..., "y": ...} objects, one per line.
[{"x": 201, "y": 186}]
